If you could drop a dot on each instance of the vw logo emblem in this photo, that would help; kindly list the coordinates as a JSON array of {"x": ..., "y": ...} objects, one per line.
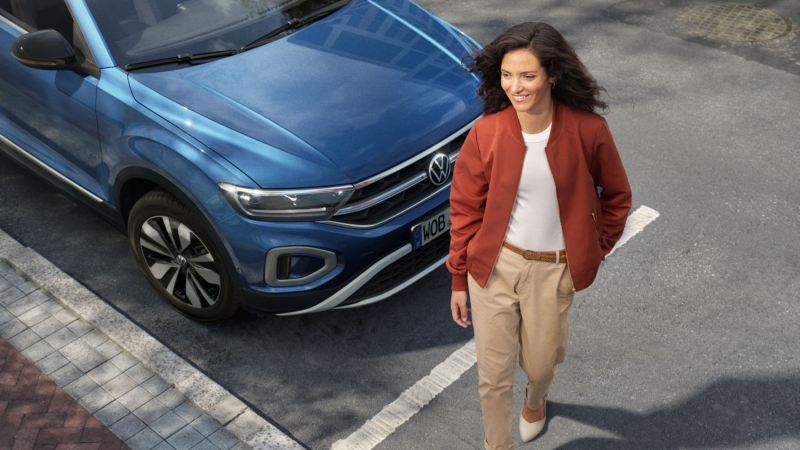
[
  {"x": 439, "y": 170},
  {"x": 181, "y": 260}
]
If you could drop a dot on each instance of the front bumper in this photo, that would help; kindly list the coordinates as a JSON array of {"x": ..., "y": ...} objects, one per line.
[
  {"x": 372, "y": 264},
  {"x": 386, "y": 277}
]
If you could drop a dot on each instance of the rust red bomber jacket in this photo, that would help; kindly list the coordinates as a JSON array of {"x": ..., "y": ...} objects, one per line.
[{"x": 582, "y": 157}]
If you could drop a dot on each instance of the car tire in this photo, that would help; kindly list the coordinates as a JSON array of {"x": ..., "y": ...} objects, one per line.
[{"x": 179, "y": 258}]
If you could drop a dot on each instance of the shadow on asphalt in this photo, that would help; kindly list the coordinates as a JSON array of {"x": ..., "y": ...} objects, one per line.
[{"x": 730, "y": 412}]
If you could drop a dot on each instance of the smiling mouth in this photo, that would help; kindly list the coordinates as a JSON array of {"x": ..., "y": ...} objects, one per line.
[{"x": 520, "y": 98}]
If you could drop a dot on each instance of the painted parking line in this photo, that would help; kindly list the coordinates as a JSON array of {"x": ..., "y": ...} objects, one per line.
[
  {"x": 635, "y": 224},
  {"x": 393, "y": 415},
  {"x": 410, "y": 401}
]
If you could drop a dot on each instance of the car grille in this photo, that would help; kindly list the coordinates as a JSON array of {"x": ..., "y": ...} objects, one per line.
[
  {"x": 385, "y": 196},
  {"x": 402, "y": 269}
]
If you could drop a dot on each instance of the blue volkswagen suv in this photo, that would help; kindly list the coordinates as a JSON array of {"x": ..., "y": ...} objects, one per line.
[{"x": 284, "y": 156}]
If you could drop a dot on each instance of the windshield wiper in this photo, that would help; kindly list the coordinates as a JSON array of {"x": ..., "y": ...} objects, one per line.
[
  {"x": 296, "y": 23},
  {"x": 186, "y": 57}
]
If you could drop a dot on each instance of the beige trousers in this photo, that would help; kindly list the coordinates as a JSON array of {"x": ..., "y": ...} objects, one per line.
[{"x": 524, "y": 306}]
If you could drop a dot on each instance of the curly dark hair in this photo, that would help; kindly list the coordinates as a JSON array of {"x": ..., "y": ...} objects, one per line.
[{"x": 574, "y": 85}]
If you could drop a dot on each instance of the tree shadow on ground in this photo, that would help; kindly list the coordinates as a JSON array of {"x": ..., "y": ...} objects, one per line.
[{"x": 730, "y": 412}]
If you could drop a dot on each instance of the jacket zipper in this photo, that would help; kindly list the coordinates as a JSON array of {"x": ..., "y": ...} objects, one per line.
[
  {"x": 512, "y": 210},
  {"x": 574, "y": 291},
  {"x": 525, "y": 153},
  {"x": 595, "y": 225}
]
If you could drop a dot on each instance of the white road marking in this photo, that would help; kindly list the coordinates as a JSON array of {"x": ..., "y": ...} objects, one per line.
[
  {"x": 410, "y": 402},
  {"x": 635, "y": 224}
]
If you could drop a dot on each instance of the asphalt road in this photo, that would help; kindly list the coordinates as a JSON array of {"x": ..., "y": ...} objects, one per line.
[{"x": 688, "y": 338}]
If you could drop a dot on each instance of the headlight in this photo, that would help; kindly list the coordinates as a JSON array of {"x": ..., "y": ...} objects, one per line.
[{"x": 286, "y": 205}]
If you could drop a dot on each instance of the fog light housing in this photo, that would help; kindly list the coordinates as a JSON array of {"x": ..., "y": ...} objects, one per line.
[{"x": 297, "y": 265}]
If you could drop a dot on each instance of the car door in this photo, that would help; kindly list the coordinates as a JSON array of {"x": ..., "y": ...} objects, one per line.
[{"x": 48, "y": 116}]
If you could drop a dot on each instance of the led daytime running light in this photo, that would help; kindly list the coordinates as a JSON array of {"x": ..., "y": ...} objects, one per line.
[{"x": 287, "y": 204}]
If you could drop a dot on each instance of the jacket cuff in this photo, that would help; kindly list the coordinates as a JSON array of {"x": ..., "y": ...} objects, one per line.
[{"x": 459, "y": 283}]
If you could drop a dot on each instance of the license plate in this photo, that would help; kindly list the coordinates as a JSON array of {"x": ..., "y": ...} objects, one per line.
[{"x": 429, "y": 230}]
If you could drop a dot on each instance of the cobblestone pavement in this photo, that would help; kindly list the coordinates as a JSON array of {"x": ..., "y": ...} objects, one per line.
[
  {"x": 147, "y": 395},
  {"x": 37, "y": 414},
  {"x": 66, "y": 385}
]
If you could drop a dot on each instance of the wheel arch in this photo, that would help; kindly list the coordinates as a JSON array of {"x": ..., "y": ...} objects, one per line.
[{"x": 131, "y": 183}]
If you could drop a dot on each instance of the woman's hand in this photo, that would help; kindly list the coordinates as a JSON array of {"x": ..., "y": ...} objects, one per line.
[{"x": 458, "y": 305}]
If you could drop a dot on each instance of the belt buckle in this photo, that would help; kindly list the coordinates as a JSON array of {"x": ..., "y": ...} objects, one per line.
[{"x": 527, "y": 254}]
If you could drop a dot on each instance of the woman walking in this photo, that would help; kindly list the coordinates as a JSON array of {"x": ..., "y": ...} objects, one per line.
[{"x": 539, "y": 197}]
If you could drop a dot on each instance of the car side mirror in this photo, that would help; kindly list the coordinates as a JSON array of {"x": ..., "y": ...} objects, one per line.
[{"x": 44, "y": 49}]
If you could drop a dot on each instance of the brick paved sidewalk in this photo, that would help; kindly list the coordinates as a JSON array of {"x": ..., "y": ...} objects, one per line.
[
  {"x": 110, "y": 385},
  {"x": 148, "y": 396},
  {"x": 35, "y": 414}
]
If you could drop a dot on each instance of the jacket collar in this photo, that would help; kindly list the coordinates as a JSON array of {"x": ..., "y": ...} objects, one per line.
[{"x": 511, "y": 125}]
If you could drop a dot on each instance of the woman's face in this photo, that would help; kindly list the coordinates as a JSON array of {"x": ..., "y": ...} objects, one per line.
[{"x": 525, "y": 81}]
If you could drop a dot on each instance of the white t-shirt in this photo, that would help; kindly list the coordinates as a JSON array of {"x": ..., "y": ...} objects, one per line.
[{"x": 535, "y": 221}]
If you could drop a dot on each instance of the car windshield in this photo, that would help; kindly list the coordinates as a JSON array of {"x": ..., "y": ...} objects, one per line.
[{"x": 145, "y": 30}]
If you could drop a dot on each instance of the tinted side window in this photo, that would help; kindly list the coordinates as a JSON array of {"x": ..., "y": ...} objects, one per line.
[
  {"x": 7, "y": 12},
  {"x": 44, "y": 14},
  {"x": 49, "y": 14}
]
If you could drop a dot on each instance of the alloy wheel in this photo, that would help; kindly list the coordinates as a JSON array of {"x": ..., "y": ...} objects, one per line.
[{"x": 180, "y": 261}]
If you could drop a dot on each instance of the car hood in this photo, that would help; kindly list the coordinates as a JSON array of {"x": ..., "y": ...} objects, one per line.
[{"x": 336, "y": 102}]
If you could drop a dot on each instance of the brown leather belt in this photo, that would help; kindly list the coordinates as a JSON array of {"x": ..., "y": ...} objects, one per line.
[{"x": 559, "y": 256}]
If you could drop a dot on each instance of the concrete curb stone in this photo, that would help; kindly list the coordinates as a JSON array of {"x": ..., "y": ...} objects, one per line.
[{"x": 99, "y": 357}]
